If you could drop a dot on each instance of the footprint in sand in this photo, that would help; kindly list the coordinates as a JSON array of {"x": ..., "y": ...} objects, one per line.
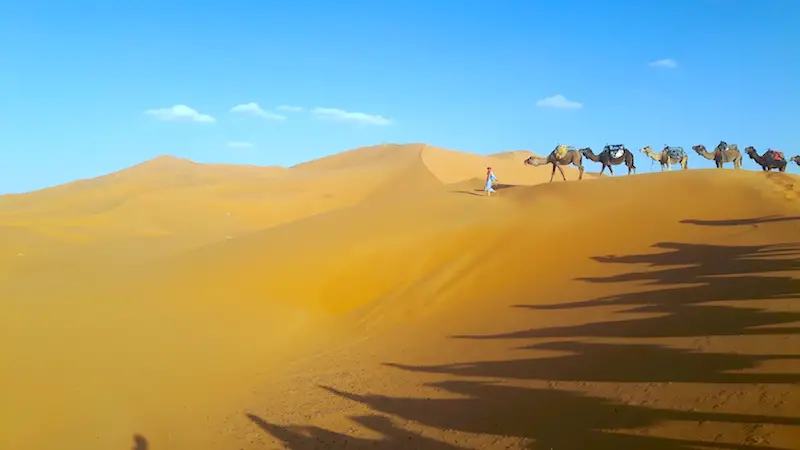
[{"x": 785, "y": 185}]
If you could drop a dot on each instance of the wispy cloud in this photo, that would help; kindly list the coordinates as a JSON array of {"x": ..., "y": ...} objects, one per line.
[
  {"x": 179, "y": 113},
  {"x": 347, "y": 116},
  {"x": 255, "y": 110},
  {"x": 558, "y": 101},
  {"x": 665, "y": 63},
  {"x": 240, "y": 144},
  {"x": 290, "y": 108}
]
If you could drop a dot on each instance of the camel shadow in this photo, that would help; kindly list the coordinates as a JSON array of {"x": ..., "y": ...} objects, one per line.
[
  {"x": 735, "y": 222},
  {"x": 548, "y": 418},
  {"x": 544, "y": 419},
  {"x": 310, "y": 437},
  {"x": 600, "y": 362},
  {"x": 686, "y": 277},
  {"x": 709, "y": 273}
]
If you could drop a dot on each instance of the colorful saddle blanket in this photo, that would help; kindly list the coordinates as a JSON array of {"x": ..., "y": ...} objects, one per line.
[
  {"x": 616, "y": 150},
  {"x": 776, "y": 155},
  {"x": 675, "y": 152},
  {"x": 562, "y": 150}
]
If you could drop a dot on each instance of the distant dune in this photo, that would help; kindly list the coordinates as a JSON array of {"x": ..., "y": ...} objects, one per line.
[{"x": 376, "y": 299}]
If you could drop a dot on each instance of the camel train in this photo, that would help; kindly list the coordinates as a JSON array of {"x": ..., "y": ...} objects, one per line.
[{"x": 616, "y": 154}]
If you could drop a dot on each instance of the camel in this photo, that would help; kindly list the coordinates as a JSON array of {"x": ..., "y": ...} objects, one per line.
[
  {"x": 796, "y": 159},
  {"x": 606, "y": 157},
  {"x": 571, "y": 156},
  {"x": 724, "y": 153},
  {"x": 663, "y": 157},
  {"x": 771, "y": 159}
]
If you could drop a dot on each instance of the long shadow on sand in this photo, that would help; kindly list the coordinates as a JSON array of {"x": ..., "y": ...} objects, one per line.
[
  {"x": 710, "y": 273},
  {"x": 481, "y": 192},
  {"x": 687, "y": 276},
  {"x": 735, "y": 222},
  {"x": 309, "y": 437}
]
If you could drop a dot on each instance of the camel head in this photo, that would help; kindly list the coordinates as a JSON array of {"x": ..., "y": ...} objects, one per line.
[
  {"x": 585, "y": 150},
  {"x": 646, "y": 149},
  {"x": 796, "y": 160},
  {"x": 700, "y": 148},
  {"x": 751, "y": 151},
  {"x": 535, "y": 161}
]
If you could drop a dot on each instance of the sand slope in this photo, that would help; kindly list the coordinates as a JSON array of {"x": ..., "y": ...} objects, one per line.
[{"x": 374, "y": 299}]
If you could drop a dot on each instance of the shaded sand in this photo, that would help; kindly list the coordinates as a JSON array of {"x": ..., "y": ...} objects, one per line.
[{"x": 372, "y": 300}]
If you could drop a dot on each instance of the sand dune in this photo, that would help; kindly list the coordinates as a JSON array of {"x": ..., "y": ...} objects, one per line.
[{"x": 374, "y": 299}]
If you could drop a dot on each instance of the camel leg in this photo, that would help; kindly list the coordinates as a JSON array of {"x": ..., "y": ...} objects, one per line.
[
  {"x": 580, "y": 172},
  {"x": 562, "y": 172},
  {"x": 610, "y": 170},
  {"x": 553, "y": 173}
]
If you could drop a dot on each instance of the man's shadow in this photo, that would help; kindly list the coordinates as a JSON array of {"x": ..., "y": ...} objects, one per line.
[
  {"x": 140, "y": 442},
  {"x": 481, "y": 192}
]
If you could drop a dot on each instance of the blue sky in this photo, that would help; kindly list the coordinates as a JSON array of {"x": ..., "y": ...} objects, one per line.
[{"x": 77, "y": 76}]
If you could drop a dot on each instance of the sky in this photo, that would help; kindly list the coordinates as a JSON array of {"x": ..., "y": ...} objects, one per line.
[{"x": 91, "y": 87}]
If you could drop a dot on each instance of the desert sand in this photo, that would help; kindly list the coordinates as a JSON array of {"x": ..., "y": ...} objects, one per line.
[{"x": 376, "y": 299}]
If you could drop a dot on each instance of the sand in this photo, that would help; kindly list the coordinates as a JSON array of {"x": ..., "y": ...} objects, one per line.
[{"x": 375, "y": 299}]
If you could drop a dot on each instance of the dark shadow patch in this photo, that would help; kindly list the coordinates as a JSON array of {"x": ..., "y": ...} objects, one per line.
[
  {"x": 310, "y": 437},
  {"x": 140, "y": 442},
  {"x": 550, "y": 418},
  {"x": 710, "y": 273},
  {"x": 477, "y": 194},
  {"x": 482, "y": 193},
  {"x": 611, "y": 363},
  {"x": 735, "y": 222}
]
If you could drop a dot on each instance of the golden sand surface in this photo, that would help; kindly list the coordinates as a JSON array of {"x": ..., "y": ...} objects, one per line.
[{"x": 377, "y": 299}]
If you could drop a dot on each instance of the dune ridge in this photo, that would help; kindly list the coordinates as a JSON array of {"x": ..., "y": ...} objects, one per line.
[{"x": 378, "y": 299}]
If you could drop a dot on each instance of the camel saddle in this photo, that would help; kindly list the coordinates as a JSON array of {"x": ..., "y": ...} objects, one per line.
[
  {"x": 615, "y": 150},
  {"x": 724, "y": 146},
  {"x": 562, "y": 150},
  {"x": 674, "y": 152},
  {"x": 776, "y": 155}
]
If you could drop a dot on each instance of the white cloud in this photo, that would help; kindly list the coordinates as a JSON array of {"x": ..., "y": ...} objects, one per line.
[
  {"x": 240, "y": 144},
  {"x": 347, "y": 116},
  {"x": 558, "y": 101},
  {"x": 179, "y": 113},
  {"x": 290, "y": 108},
  {"x": 665, "y": 63},
  {"x": 254, "y": 109}
]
